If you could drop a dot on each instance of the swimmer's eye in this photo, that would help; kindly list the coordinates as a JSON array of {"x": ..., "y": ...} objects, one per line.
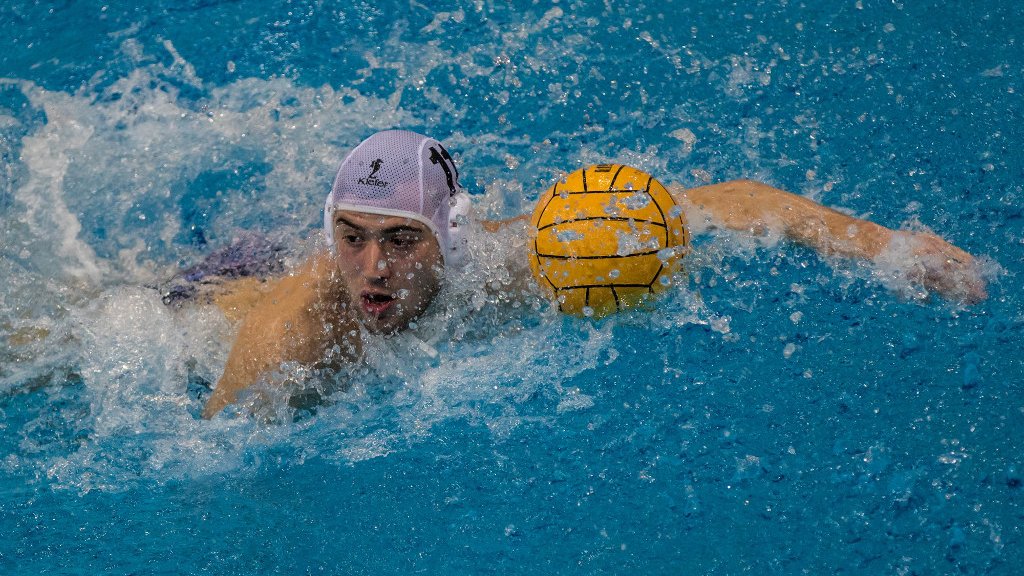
[
  {"x": 352, "y": 239},
  {"x": 405, "y": 240}
]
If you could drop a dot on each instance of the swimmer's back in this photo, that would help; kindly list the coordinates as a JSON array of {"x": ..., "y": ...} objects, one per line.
[{"x": 234, "y": 277}]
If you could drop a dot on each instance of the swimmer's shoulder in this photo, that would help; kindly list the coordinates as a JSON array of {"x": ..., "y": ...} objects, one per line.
[
  {"x": 237, "y": 297},
  {"x": 290, "y": 293},
  {"x": 310, "y": 290}
]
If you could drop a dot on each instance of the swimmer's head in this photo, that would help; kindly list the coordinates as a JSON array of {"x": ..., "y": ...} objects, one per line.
[{"x": 402, "y": 173}]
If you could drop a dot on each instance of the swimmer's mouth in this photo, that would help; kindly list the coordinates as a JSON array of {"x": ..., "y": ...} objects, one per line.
[{"x": 376, "y": 303}]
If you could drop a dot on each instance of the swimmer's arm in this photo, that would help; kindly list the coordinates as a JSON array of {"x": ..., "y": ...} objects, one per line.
[
  {"x": 249, "y": 358},
  {"x": 261, "y": 346},
  {"x": 495, "y": 226},
  {"x": 760, "y": 209},
  {"x": 284, "y": 327}
]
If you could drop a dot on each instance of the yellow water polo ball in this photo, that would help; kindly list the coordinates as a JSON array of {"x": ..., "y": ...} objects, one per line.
[{"x": 609, "y": 237}]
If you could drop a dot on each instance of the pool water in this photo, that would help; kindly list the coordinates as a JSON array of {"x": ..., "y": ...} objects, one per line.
[{"x": 781, "y": 413}]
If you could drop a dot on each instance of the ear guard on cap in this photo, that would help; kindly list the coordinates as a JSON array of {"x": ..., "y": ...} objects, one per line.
[{"x": 458, "y": 221}]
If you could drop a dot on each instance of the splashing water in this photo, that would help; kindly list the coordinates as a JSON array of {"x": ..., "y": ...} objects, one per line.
[{"x": 828, "y": 408}]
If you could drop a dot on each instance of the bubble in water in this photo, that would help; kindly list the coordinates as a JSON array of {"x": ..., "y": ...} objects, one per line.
[{"x": 687, "y": 137}]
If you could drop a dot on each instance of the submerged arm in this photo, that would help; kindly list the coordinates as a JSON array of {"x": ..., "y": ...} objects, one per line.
[
  {"x": 759, "y": 209},
  {"x": 495, "y": 226}
]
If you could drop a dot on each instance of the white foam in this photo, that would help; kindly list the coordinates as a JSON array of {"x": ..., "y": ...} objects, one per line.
[
  {"x": 41, "y": 198},
  {"x": 687, "y": 137},
  {"x": 134, "y": 356},
  {"x": 124, "y": 158}
]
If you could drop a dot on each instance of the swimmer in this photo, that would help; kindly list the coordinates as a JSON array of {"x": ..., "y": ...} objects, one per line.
[{"x": 394, "y": 222}]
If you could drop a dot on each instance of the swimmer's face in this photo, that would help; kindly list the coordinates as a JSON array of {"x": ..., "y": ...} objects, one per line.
[{"x": 391, "y": 267}]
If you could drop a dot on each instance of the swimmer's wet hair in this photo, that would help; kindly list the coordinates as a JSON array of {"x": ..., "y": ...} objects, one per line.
[{"x": 402, "y": 173}]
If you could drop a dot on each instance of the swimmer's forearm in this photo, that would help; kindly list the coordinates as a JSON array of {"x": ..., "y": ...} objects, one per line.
[
  {"x": 261, "y": 347},
  {"x": 218, "y": 400},
  {"x": 760, "y": 209},
  {"x": 238, "y": 375}
]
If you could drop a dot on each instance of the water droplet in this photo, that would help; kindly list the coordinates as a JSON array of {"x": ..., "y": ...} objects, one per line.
[{"x": 568, "y": 235}]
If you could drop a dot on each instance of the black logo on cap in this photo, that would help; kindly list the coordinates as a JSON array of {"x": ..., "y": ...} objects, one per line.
[
  {"x": 451, "y": 173},
  {"x": 372, "y": 179}
]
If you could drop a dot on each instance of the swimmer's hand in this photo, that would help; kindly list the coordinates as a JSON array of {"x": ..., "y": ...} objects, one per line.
[{"x": 938, "y": 266}]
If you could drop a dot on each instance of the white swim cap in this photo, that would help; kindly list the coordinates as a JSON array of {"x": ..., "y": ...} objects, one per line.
[{"x": 402, "y": 173}]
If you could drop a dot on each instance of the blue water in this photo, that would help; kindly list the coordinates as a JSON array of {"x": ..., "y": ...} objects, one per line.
[{"x": 783, "y": 414}]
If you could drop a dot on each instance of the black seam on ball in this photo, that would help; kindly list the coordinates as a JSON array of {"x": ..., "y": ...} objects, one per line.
[
  {"x": 656, "y": 276},
  {"x": 608, "y": 191},
  {"x": 588, "y": 286},
  {"x": 660, "y": 211},
  {"x": 551, "y": 197},
  {"x": 608, "y": 257},
  {"x": 616, "y": 176},
  {"x": 609, "y": 218}
]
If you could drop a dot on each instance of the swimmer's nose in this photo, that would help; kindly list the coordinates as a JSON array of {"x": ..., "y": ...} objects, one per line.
[{"x": 375, "y": 261}]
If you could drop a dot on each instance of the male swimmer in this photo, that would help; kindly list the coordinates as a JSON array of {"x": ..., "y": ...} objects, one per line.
[{"x": 394, "y": 222}]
